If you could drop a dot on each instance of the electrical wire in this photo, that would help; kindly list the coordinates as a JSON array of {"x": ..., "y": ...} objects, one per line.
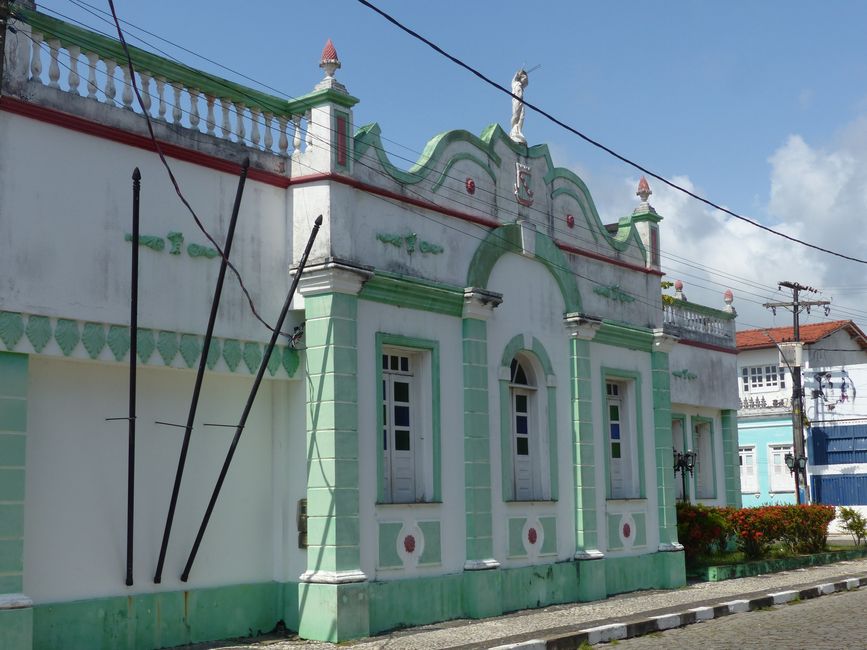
[{"x": 597, "y": 144}]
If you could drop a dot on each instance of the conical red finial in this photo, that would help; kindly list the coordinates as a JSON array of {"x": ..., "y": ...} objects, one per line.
[
  {"x": 643, "y": 189},
  {"x": 329, "y": 53}
]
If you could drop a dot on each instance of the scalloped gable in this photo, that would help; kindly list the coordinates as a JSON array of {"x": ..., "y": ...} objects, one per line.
[{"x": 564, "y": 186}]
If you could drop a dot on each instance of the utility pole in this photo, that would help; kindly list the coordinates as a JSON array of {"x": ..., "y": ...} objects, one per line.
[{"x": 798, "y": 463}]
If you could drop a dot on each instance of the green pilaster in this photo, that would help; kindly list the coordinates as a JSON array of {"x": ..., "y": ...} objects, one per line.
[
  {"x": 16, "y": 625},
  {"x": 477, "y": 464},
  {"x": 730, "y": 457},
  {"x": 586, "y": 536},
  {"x": 666, "y": 493},
  {"x": 332, "y": 598}
]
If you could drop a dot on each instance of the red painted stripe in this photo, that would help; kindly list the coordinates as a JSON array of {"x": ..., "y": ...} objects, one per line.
[
  {"x": 708, "y": 346},
  {"x": 75, "y": 123}
]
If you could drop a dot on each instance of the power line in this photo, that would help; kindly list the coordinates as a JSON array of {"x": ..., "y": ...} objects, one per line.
[{"x": 597, "y": 144}]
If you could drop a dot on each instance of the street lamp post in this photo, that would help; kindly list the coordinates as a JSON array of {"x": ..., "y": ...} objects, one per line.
[{"x": 684, "y": 462}]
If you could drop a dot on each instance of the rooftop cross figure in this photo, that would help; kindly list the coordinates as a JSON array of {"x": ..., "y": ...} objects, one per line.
[{"x": 519, "y": 82}]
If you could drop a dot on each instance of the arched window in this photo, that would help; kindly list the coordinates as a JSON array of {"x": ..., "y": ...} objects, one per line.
[{"x": 525, "y": 443}]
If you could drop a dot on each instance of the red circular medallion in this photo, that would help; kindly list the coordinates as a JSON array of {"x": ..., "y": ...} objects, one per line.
[
  {"x": 627, "y": 530},
  {"x": 471, "y": 186},
  {"x": 409, "y": 543},
  {"x": 532, "y": 536},
  {"x": 570, "y": 221}
]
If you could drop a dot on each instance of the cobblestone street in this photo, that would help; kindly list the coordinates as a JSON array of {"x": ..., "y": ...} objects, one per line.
[{"x": 828, "y": 623}]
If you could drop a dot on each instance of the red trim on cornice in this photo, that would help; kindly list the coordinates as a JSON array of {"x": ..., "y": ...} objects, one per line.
[
  {"x": 75, "y": 123},
  {"x": 610, "y": 260},
  {"x": 67, "y": 121},
  {"x": 708, "y": 346}
]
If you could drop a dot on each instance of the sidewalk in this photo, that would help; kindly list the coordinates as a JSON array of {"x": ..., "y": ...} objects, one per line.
[{"x": 565, "y": 626}]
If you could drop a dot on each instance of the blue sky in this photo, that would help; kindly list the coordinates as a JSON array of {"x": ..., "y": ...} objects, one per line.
[{"x": 760, "y": 106}]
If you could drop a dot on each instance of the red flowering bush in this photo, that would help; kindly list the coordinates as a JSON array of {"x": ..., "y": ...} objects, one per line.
[
  {"x": 806, "y": 528},
  {"x": 701, "y": 529},
  {"x": 800, "y": 529},
  {"x": 757, "y": 529}
]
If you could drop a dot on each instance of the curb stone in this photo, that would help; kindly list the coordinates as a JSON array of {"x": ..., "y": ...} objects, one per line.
[{"x": 617, "y": 631}]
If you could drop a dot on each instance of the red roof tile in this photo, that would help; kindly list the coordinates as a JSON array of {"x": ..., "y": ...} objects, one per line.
[{"x": 810, "y": 333}]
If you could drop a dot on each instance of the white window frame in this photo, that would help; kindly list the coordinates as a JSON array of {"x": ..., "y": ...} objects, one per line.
[
  {"x": 413, "y": 468},
  {"x": 528, "y": 469},
  {"x": 704, "y": 472},
  {"x": 621, "y": 451},
  {"x": 749, "y": 480},
  {"x": 765, "y": 378},
  {"x": 780, "y": 479}
]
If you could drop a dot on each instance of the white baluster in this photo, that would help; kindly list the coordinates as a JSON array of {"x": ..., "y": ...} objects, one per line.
[
  {"x": 225, "y": 128},
  {"x": 269, "y": 137},
  {"x": 126, "y": 95},
  {"x": 36, "y": 57},
  {"x": 296, "y": 138},
  {"x": 194, "y": 108},
  {"x": 240, "y": 131},
  {"x": 74, "y": 79},
  {"x": 145, "y": 91},
  {"x": 309, "y": 118},
  {"x": 254, "y": 132},
  {"x": 92, "y": 60},
  {"x": 161, "y": 96},
  {"x": 176, "y": 109},
  {"x": 110, "y": 90},
  {"x": 211, "y": 121},
  {"x": 284, "y": 141},
  {"x": 54, "y": 67}
]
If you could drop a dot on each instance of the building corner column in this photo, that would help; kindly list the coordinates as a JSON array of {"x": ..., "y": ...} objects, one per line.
[
  {"x": 333, "y": 595},
  {"x": 663, "y": 442},
  {"x": 16, "y": 609},
  {"x": 480, "y": 584}
]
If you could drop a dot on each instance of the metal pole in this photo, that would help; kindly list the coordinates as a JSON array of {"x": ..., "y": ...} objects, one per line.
[
  {"x": 133, "y": 351},
  {"x": 797, "y": 419},
  {"x": 194, "y": 402},
  {"x": 250, "y": 399}
]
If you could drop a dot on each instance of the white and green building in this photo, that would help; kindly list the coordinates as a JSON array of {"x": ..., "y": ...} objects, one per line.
[{"x": 478, "y": 418}]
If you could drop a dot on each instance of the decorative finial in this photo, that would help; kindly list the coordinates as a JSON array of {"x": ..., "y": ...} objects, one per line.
[
  {"x": 644, "y": 193},
  {"x": 330, "y": 63},
  {"x": 678, "y": 289},
  {"x": 519, "y": 82}
]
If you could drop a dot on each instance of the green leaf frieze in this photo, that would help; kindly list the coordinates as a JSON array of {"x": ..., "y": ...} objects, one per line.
[
  {"x": 146, "y": 344},
  {"x": 167, "y": 346},
  {"x": 232, "y": 353},
  {"x": 191, "y": 348},
  {"x": 177, "y": 241},
  {"x": 196, "y": 250},
  {"x": 290, "y": 361},
  {"x": 118, "y": 341},
  {"x": 176, "y": 245},
  {"x": 93, "y": 338},
  {"x": 213, "y": 353},
  {"x": 614, "y": 292},
  {"x": 11, "y": 328},
  {"x": 66, "y": 334},
  {"x": 684, "y": 374},
  {"x": 149, "y": 241},
  {"x": 38, "y": 332},
  {"x": 252, "y": 356},
  {"x": 410, "y": 242}
]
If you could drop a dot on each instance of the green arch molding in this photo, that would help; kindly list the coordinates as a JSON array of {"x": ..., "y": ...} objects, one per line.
[
  {"x": 430, "y": 162},
  {"x": 516, "y": 344},
  {"x": 507, "y": 239}
]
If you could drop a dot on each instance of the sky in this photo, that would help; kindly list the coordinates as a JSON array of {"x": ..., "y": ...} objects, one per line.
[{"x": 760, "y": 106}]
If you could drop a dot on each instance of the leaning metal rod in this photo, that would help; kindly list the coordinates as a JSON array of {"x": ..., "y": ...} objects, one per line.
[
  {"x": 255, "y": 389},
  {"x": 194, "y": 402},
  {"x": 133, "y": 329}
]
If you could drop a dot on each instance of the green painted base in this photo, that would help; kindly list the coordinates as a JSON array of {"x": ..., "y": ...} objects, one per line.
[
  {"x": 762, "y": 567},
  {"x": 333, "y": 612},
  {"x": 482, "y": 593},
  {"x": 591, "y": 580},
  {"x": 16, "y": 629},
  {"x": 656, "y": 571},
  {"x": 405, "y": 603},
  {"x": 146, "y": 621}
]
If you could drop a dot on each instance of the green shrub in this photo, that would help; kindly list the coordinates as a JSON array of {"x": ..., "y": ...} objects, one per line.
[{"x": 854, "y": 523}]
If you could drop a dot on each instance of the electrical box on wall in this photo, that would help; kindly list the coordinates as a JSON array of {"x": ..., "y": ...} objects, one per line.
[{"x": 302, "y": 523}]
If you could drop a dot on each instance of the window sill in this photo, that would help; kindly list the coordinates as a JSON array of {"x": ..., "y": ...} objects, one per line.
[
  {"x": 627, "y": 500},
  {"x": 409, "y": 504},
  {"x": 530, "y": 501}
]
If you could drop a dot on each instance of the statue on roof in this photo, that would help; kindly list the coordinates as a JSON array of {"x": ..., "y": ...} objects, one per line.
[{"x": 518, "y": 84}]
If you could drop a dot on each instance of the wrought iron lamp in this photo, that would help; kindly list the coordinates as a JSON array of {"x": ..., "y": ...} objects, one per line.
[{"x": 684, "y": 462}]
